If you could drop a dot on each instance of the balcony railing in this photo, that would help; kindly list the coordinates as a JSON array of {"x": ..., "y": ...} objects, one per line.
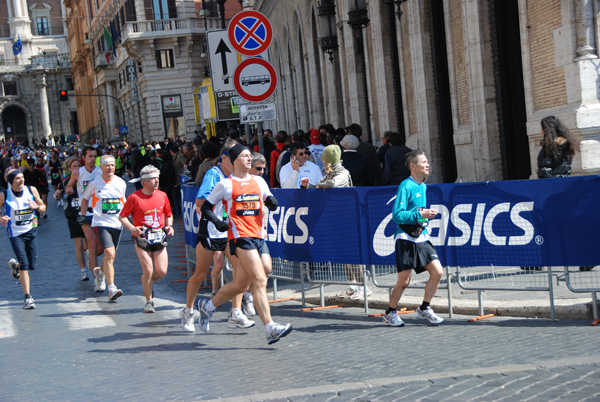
[{"x": 171, "y": 27}]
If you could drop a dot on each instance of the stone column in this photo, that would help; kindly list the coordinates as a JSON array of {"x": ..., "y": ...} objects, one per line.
[
  {"x": 46, "y": 129},
  {"x": 110, "y": 107},
  {"x": 586, "y": 43}
]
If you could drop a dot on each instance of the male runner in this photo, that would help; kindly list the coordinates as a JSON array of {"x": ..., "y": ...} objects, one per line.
[
  {"x": 211, "y": 245},
  {"x": 82, "y": 178},
  {"x": 413, "y": 248},
  {"x": 152, "y": 221},
  {"x": 107, "y": 195},
  {"x": 244, "y": 197},
  {"x": 20, "y": 203}
]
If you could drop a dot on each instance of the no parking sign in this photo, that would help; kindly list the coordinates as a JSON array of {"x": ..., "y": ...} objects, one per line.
[{"x": 250, "y": 33}]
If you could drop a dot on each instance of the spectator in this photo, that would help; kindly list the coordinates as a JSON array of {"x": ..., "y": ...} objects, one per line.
[
  {"x": 396, "y": 171},
  {"x": 316, "y": 146},
  {"x": 357, "y": 165},
  {"x": 281, "y": 140},
  {"x": 556, "y": 155},
  {"x": 211, "y": 155},
  {"x": 335, "y": 173},
  {"x": 299, "y": 167},
  {"x": 368, "y": 151},
  {"x": 385, "y": 139}
]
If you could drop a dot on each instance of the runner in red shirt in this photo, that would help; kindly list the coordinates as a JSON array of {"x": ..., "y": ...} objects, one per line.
[{"x": 152, "y": 222}]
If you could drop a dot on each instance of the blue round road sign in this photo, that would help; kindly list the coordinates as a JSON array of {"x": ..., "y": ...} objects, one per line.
[{"x": 250, "y": 33}]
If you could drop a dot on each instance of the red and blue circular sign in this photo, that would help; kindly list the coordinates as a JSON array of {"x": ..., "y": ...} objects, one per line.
[
  {"x": 250, "y": 33},
  {"x": 255, "y": 79}
]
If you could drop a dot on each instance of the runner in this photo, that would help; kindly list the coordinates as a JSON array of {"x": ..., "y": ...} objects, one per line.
[
  {"x": 211, "y": 244},
  {"x": 54, "y": 165},
  {"x": 244, "y": 196},
  {"x": 107, "y": 194},
  {"x": 71, "y": 213},
  {"x": 20, "y": 202},
  {"x": 81, "y": 178},
  {"x": 152, "y": 219}
]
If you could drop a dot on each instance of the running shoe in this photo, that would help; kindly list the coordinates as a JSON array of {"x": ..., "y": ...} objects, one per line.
[
  {"x": 392, "y": 319},
  {"x": 248, "y": 305},
  {"x": 429, "y": 315},
  {"x": 205, "y": 315},
  {"x": 360, "y": 294},
  {"x": 114, "y": 294},
  {"x": 187, "y": 321},
  {"x": 349, "y": 291},
  {"x": 29, "y": 303},
  {"x": 14, "y": 269},
  {"x": 100, "y": 280},
  {"x": 239, "y": 321},
  {"x": 149, "y": 308},
  {"x": 84, "y": 275},
  {"x": 277, "y": 332}
]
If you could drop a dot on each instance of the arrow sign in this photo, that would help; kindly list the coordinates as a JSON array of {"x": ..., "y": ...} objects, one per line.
[
  {"x": 223, "y": 61},
  {"x": 224, "y": 49}
]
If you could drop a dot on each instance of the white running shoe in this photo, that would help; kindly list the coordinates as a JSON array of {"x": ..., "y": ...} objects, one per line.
[
  {"x": 239, "y": 321},
  {"x": 429, "y": 315},
  {"x": 114, "y": 294},
  {"x": 349, "y": 291},
  {"x": 100, "y": 280},
  {"x": 149, "y": 307},
  {"x": 277, "y": 332},
  {"x": 14, "y": 269},
  {"x": 360, "y": 294},
  {"x": 392, "y": 319},
  {"x": 248, "y": 305},
  {"x": 187, "y": 321},
  {"x": 84, "y": 275},
  {"x": 205, "y": 315},
  {"x": 29, "y": 303}
]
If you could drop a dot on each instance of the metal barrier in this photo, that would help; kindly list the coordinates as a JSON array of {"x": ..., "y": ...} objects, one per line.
[
  {"x": 386, "y": 276},
  {"x": 507, "y": 279},
  {"x": 584, "y": 280},
  {"x": 328, "y": 273},
  {"x": 290, "y": 271}
]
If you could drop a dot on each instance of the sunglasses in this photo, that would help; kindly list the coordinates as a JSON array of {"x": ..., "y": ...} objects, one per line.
[
  {"x": 302, "y": 153},
  {"x": 259, "y": 168}
]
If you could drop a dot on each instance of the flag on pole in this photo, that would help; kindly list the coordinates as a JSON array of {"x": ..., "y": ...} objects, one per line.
[
  {"x": 115, "y": 36},
  {"x": 18, "y": 46},
  {"x": 108, "y": 38}
]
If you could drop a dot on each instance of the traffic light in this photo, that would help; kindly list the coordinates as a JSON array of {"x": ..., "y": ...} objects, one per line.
[{"x": 64, "y": 96}]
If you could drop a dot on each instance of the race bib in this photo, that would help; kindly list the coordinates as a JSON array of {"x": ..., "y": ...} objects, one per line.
[
  {"x": 24, "y": 216},
  {"x": 155, "y": 236},
  {"x": 75, "y": 203},
  {"x": 247, "y": 205},
  {"x": 111, "y": 206},
  {"x": 55, "y": 175}
]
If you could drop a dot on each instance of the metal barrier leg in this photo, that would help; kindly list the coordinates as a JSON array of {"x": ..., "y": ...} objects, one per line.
[
  {"x": 551, "y": 294},
  {"x": 275, "y": 289},
  {"x": 322, "y": 294},
  {"x": 449, "y": 279},
  {"x": 365, "y": 290},
  {"x": 302, "y": 285},
  {"x": 480, "y": 298},
  {"x": 595, "y": 305}
]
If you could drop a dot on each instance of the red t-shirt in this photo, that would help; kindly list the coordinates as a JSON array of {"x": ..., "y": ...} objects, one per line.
[{"x": 148, "y": 210}]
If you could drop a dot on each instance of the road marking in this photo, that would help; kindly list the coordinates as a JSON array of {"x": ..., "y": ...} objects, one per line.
[
  {"x": 7, "y": 326},
  {"x": 84, "y": 314}
]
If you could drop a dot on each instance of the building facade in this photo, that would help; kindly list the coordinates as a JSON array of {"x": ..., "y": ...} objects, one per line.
[
  {"x": 467, "y": 81},
  {"x": 142, "y": 61},
  {"x": 34, "y": 67}
]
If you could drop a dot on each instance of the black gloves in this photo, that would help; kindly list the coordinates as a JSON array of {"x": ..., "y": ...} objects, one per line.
[
  {"x": 271, "y": 203},
  {"x": 207, "y": 211},
  {"x": 81, "y": 219}
]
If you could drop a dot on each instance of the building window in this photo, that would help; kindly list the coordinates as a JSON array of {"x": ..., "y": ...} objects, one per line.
[
  {"x": 69, "y": 81},
  {"x": 42, "y": 25},
  {"x": 10, "y": 88},
  {"x": 164, "y": 58}
]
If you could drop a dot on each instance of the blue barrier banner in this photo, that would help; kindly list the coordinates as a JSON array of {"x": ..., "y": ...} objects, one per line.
[{"x": 514, "y": 223}]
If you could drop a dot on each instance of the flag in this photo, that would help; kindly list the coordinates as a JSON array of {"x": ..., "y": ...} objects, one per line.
[
  {"x": 115, "y": 35},
  {"x": 108, "y": 38},
  {"x": 18, "y": 46}
]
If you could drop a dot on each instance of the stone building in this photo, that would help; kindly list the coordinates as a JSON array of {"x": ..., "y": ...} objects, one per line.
[
  {"x": 467, "y": 81},
  {"x": 32, "y": 78},
  {"x": 141, "y": 61}
]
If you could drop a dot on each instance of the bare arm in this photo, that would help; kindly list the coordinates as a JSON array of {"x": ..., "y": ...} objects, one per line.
[{"x": 37, "y": 202}]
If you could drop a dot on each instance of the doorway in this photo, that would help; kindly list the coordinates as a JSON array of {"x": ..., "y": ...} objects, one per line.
[{"x": 15, "y": 124}]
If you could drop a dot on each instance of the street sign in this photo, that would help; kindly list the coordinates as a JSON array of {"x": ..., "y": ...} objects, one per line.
[
  {"x": 124, "y": 130},
  {"x": 225, "y": 109},
  {"x": 258, "y": 112},
  {"x": 255, "y": 80},
  {"x": 223, "y": 61},
  {"x": 115, "y": 131},
  {"x": 250, "y": 33}
]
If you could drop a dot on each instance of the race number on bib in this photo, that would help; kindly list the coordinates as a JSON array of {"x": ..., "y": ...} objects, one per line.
[
  {"x": 111, "y": 206},
  {"x": 247, "y": 205},
  {"x": 155, "y": 236},
  {"x": 23, "y": 216}
]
